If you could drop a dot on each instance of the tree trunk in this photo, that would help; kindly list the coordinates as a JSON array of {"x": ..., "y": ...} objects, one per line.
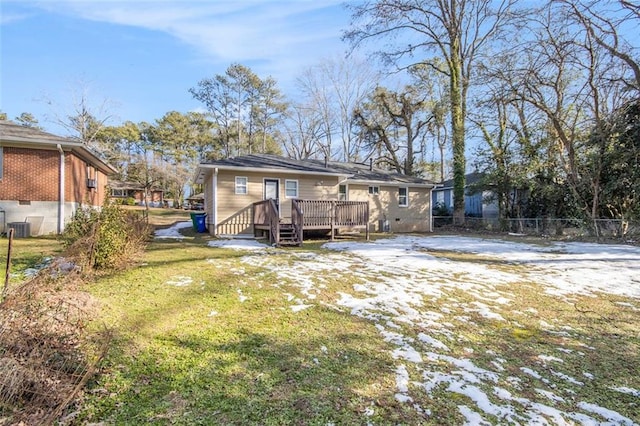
[{"x": 457, "y": 127}]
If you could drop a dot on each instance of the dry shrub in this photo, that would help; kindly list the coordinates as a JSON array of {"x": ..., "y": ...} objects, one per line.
[
  {"x": 105, "y": 239},
  {"x": 47, "y": 352}
]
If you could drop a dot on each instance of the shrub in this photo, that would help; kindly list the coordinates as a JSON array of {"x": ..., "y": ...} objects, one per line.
[{"x": 106, "y": 238}]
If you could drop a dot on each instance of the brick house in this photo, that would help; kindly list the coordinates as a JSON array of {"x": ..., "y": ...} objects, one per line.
[
  {"x": 120, "y": 190},
  {"x": 44, "y": 178}
]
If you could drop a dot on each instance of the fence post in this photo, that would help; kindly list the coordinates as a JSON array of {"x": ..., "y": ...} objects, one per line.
[{"x": 5, "y": 289}]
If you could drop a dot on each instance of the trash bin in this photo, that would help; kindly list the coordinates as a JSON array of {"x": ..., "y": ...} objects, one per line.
[
  {"x": 193, "y": 220},
  {"x": 201, "y": 225}
]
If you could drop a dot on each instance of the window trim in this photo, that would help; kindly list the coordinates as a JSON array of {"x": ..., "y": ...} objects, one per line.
[
  {"x": 406, "y": 196},
  {"x": 286, "y": 181},
  {"x": 1, "y": 162},
  {"x": 245, "y": 185},
  {"x": 374, "y": 190}
]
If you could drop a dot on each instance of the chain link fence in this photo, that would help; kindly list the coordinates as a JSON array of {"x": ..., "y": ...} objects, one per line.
[{"x": 599, "y": 228}]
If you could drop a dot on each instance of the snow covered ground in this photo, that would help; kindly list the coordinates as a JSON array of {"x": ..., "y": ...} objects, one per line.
[{"x": 424, "y": 303}]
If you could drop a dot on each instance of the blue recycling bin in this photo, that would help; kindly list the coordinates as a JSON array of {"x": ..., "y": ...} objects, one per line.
[{"x": 201, "y": 225}]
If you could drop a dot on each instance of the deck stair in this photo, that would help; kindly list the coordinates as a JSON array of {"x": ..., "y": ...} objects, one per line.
[{"x": 288, "y": 235}]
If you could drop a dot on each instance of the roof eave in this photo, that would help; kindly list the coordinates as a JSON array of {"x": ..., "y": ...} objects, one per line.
[
  {"x": 390, "y": 183},
  {"x": 270, "y": 170}
]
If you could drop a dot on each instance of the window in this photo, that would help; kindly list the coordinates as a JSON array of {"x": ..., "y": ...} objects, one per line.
[
  {"x": 291, "y": 188},
  {"x": 374, "y": 190},
  {"x": 1, "y": 162},
  {"x": 342, "y": 192},
  {"x": 403, "y": 197},
  {"x": 242, "y": 187},
  {"x": 118, "y": 193}
]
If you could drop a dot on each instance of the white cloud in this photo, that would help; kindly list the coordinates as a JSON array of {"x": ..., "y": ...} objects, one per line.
[{"x": 230, "y": 31}]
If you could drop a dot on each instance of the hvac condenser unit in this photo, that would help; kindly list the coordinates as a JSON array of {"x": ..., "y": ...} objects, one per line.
[{"x": 20, "y": 229}]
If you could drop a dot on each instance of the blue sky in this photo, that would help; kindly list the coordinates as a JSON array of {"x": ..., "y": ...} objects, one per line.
[{"x": 136, "y": 60}]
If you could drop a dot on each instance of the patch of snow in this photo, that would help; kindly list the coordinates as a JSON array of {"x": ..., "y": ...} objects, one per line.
[
  {"x": 398, "y": 283},
  {"x": 238, "y": 244},
  {"x": 630, "y": 391},
  {"x": 173, "y": 231},
  {"x": 432, "y": 342},
  {"x": 241, "y": 296},
  {"x": 552, "y": 396},
  {"x": 567, "y": 378},
  {"x": 472, "y": 418},
  {"x": 610, "y": 415},
  {"x": 300, "y": 307},
  {"x": 180, "y": 281},
  {"x": 546, "y": 358}
]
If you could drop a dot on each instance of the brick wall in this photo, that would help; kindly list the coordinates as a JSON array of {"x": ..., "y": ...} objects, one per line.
[
  {"x": 30, "y": 174},
  {"x": 33, "y": 175}
]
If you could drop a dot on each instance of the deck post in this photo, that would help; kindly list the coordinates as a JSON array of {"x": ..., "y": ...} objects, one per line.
[
  {"x": 333, "y": 220},
  {"x": 366, "y": 221}
]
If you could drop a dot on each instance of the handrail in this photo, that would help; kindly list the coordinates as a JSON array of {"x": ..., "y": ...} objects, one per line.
[
  {"x": 297, "y": 220},
  {"x": 265, "y": 213},
  {"x": 274, "y": 222}
]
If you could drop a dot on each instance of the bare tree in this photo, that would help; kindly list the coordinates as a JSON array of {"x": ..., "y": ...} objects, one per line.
[
  {"x": 602, "y": 21},
  {"x": 304, "y": 133},
  {"x": 455, "y": 31},
  {"x": 335, "y": 87},
  {"x": 395, "y": 124},
  {"x": 83, "y": 118}
]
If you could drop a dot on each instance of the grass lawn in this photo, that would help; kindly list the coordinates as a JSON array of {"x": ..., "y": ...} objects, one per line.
[
  {"x": 409, "y": 330},
  {"x": 211, "y": 335},
  {"x": 27, "y": 253}
]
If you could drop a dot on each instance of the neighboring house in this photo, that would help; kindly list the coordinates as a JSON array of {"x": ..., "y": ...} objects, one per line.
[
  {"x": 120, "y": 190},
  {"x": 263, "y": 193},
  {"x": 44, "y": 178},
  {"x": 477, "y": 202},
  {"x": 195, "y": 201}
]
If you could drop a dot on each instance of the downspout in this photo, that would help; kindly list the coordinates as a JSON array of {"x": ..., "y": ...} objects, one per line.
[
  {"x": 431, "y": 209},
  {"x": 214, "y": 209},
  {"x": 61, "y": 192}
]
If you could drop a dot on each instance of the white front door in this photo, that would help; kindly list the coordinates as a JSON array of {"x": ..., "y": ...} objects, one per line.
[{"x": 272, "y": 190}]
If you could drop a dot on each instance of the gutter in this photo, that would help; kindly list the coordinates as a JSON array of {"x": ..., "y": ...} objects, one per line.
[{"x": 61, "y": 191}]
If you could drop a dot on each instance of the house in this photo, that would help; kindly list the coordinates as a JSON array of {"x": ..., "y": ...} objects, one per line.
[
  {"x": 478, "y": 202},
  {"x": 195, "y": 201},
  {"x": 124, "y": 191},
  {"x": 44, "y": 178},
  {"x": 260, "y": 194}
]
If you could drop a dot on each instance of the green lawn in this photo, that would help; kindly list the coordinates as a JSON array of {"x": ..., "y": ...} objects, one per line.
[
  {"x": 189, "y": 351},
  {"x": 217, "y": 336},
  {"x": 312, "y": 336}
]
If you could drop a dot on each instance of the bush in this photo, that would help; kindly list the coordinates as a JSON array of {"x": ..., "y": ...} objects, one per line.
[
  {"x": 440, "y": 209},
  {"x": 104, "y": 239}
]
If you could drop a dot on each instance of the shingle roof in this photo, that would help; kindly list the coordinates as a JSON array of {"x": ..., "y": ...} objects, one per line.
[
  {"x": 470, "y": 179},
  {"x": 17, "y": 135},
  {"x": 352, "y": 171}
]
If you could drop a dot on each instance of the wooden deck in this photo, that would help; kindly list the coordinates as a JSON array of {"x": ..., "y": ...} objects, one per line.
[{"x": 308, "y": 215}]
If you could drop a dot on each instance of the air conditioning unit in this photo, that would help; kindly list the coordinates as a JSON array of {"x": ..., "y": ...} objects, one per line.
[
  {"x": 91, "y": 183},
  {"x": 20, "y": 229}
]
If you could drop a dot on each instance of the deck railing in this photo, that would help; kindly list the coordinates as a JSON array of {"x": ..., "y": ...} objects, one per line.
[
  {"x": 297, "y": 220},
  {"x": 323, "y": 215},
  {"x": 333, "y": 214},
  {"x": 265, "y": 213}
]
